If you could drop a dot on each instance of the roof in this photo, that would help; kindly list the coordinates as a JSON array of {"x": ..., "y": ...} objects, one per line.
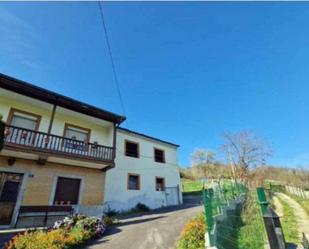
[
  {"x": 146, "y": 136},
  {"x": 51, "y": 97}
]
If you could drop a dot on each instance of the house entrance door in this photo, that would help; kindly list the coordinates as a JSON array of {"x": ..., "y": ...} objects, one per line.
[
  {"x": 171, "y": 195},
  {"x": 9, "y": 189}
]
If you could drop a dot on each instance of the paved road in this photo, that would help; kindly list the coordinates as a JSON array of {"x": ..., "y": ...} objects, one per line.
[
  {"x": 157, "y": 230},
  {"x": 4, "y": 238}
]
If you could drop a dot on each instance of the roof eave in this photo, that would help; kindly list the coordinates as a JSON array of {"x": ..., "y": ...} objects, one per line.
[
  {"x": 27, "y": 89},
  {"x": 149, "y": 137}
]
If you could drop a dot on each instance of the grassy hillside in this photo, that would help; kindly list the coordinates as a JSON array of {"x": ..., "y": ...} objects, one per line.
[
  {"x": 289, "y": 224},
  {"x": 295, "y": 177},
  {"x": 192, "y": 187},
  {"x": 304, "y": 203},
  {"x": 252, "y": 232}
]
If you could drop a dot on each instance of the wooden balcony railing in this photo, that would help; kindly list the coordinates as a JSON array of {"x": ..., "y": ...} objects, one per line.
[{"x": 31, "y": 140}]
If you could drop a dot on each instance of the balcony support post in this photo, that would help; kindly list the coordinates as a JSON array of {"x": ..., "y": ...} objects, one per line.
[
  {"x": 114, "y": 141},
  {"x": 52, "y": 119}
]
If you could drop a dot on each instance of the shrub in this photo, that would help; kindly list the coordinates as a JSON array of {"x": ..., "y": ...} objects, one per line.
[
  {"x": 110, "y": 212},
  {"x": 66, "y": 233},
  {"x": 109, "y": 220},
  {"x": 76, "y": 237},
  {"x": 142, "y": 207},
  {"x": 192, "y": 236},
  {"x": 54, "y": 239},
  {"x": 93, "y": 227}
]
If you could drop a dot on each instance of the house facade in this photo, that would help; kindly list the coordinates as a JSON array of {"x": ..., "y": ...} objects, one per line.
[
  {"x": 56, "y": 151},
  {"x": 146, "y": 172},
  {"x": 60, "y": 152}
]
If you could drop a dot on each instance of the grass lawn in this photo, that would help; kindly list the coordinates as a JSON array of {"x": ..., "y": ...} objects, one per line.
[
  {"x": 289, "y": 224},
  {"x": 252, "y": 232},
  {"x": 244, "y": 227},
  {"x": 192, "y": 187}
]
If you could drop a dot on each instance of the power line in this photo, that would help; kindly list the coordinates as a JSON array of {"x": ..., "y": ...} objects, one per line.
[{"x": 111, "y": 58}]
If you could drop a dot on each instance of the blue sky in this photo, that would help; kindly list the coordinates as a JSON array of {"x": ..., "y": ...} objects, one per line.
[{"x": 188, "y": 71}]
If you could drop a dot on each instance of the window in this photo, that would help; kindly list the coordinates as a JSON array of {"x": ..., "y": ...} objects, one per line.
[
  {"x": 28, "y": 122},
  {"x": 23, "y": 119},
  {"x": 67, "y": 191},
  {"x": 131, "y": 149},
  {"x": 134, "y": 182},
  {"x": 160, "y": 184},
  {"x": 159, "y": 155},
  {"x": 78, "y": 134}
]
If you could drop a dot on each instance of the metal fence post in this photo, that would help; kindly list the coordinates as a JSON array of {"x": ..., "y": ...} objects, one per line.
[
  {"x": 207, "y": 199},
  {"x": 262, "y": 199},
  {"x": 274, "y": 231},
  {"x": 271, "y": 221}
]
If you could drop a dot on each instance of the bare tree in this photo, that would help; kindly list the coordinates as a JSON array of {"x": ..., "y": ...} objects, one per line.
[
  {"x": 202, "y": 156},
  {"x": 244, "y": 150}
]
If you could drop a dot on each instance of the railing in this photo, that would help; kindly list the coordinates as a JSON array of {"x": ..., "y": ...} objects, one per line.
[{"x": 44, "y": 142}]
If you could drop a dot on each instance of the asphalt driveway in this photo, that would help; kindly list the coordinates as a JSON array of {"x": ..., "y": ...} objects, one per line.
[{"x": 154, "y": 230}]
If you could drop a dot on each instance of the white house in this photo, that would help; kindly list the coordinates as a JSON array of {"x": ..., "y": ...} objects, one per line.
[{"x": 146, "y": 171}]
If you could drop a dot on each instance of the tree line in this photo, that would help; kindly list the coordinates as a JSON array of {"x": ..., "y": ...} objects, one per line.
[{"x": 245, "y": 159}]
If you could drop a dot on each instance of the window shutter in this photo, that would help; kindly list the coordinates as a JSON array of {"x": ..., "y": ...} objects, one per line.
[{"x": 67, "y": 191}]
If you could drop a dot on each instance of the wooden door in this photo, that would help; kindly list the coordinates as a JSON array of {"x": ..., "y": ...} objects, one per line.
[{"x": 9, "y": 189}]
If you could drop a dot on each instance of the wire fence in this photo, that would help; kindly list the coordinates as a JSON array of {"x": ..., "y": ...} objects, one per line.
[
  {"x": 216, "y": 199},
  {"x": 232, "y": 216},
  {"x": 300, "y": 195},
  {"x": 220, "y": 194},
  {"x": 237, "y": 218}
]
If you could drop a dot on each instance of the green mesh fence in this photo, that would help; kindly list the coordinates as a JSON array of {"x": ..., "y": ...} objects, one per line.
[{"x": 216, "y": 199}]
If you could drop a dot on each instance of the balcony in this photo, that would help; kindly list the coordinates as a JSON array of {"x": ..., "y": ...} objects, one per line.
[{"x": 31, "y": 141}]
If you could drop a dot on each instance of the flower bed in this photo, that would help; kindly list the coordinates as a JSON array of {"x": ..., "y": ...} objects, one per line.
[
  {"x": 66, "y": 233},
  {"x": 192, "y": 236}
]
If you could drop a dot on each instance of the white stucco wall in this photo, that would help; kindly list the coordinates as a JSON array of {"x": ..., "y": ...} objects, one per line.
[{"x": 117, "y": 195}]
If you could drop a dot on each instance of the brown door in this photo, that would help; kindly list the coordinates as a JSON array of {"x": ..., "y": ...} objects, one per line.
[{"x": 9, "y": 189}]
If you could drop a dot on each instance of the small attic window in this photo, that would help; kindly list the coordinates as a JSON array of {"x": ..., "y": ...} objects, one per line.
[
  {"x": 131, "y": 149},
  {"x": 159, "y": 155}
]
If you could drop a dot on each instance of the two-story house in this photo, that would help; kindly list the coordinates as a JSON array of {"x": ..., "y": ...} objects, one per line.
[
  {"x": 146, "y": 172},
  {"x": 59, "y": 152},
  {"x": 56, "y": 150}
]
